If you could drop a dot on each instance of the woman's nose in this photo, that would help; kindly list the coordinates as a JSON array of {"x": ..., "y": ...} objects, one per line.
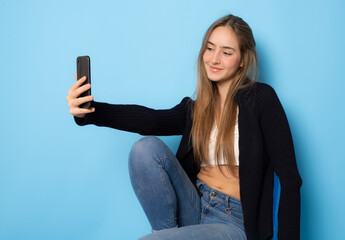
[{"x": 215, "y": 58}]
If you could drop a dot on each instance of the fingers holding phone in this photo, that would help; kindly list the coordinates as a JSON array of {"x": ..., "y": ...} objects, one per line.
[
  {"x": 75, "y": 100},
  {"x": 79, "y": 95},
  {"x": 80, "y": 87}
]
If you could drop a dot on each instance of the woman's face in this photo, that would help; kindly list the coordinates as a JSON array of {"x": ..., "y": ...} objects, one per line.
[{"x": 222, "y": 56}]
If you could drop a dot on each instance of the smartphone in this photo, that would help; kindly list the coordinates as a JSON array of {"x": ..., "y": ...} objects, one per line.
[{"x": 83, "y": 69}]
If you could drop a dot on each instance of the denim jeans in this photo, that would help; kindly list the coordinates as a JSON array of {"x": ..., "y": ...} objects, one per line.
[{"x": 172, "y": 204}]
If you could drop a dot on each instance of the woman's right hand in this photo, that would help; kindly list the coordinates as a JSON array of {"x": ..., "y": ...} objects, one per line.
[{"x": 74, "y": 101}]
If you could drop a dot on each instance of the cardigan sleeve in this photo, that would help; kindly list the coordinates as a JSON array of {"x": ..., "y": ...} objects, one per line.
[
  {"x": 281, "y": 152},
  {"x": 138, "y": 119}
]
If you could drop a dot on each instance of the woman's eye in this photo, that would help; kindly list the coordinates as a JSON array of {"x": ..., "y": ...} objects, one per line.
[
  {"x": 227, "y": 53},
  {"x": 209, "y": 48}
]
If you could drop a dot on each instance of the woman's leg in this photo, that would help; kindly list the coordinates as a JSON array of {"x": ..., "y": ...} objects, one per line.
[
  {"x": 200, "y": 232},
  {"x": 222, "y": 219},
  {"x": 164, "y": 190}
]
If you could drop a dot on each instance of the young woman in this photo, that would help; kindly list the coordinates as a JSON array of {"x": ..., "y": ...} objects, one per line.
[{"x": 235, "y": 135}]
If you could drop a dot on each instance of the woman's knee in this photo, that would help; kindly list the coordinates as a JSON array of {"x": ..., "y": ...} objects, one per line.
[
  {"x": 145, "y": 147},
  {"x": 144, "y": 150}
]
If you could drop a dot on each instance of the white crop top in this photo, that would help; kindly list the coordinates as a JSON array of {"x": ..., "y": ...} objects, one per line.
[{"x": 212, "y": 145}]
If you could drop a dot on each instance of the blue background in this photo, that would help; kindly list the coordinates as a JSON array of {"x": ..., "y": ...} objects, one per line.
[{"x": 61, "y": 181}]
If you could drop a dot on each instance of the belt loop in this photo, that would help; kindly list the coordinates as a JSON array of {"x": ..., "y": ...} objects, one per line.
[
  {"x": 199, "y": 184},
  {"x": 227, "y": 201}
]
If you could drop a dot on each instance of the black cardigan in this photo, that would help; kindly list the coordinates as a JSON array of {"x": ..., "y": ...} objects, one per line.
[{"x": 265, "y": 146}]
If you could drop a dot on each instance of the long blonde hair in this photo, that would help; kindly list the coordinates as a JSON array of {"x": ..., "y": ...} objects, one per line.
[{"x": 206, "y": 103}]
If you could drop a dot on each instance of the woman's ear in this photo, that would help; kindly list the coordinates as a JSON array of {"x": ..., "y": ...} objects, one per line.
[{"x": 242, "y": 60}]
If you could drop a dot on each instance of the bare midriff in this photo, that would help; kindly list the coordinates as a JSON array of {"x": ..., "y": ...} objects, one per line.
[{"x": 221, "y": 179}]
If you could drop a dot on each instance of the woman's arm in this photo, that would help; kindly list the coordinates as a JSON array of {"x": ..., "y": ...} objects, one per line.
[
  {"x": 133, "y": 118},
  {"x": 281, "y": 152},
  {"x": 138, "y": 119}
]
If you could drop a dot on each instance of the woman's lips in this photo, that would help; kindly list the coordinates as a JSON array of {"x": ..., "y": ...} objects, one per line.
[{"x": 215, "y": 69}]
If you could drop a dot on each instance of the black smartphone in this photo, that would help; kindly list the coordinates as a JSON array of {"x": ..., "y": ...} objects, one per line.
[{"x": 83, "y": 69}]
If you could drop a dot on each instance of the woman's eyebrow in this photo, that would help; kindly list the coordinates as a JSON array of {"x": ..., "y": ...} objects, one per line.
[{"x": 226, "y": 47}]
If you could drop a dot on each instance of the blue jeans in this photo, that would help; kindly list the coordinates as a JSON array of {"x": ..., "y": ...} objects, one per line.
[{"x": 171, "y": 202}]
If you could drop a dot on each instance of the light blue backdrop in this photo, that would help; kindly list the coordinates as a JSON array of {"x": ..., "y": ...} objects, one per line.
[{"x": 61, "y": 181}]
